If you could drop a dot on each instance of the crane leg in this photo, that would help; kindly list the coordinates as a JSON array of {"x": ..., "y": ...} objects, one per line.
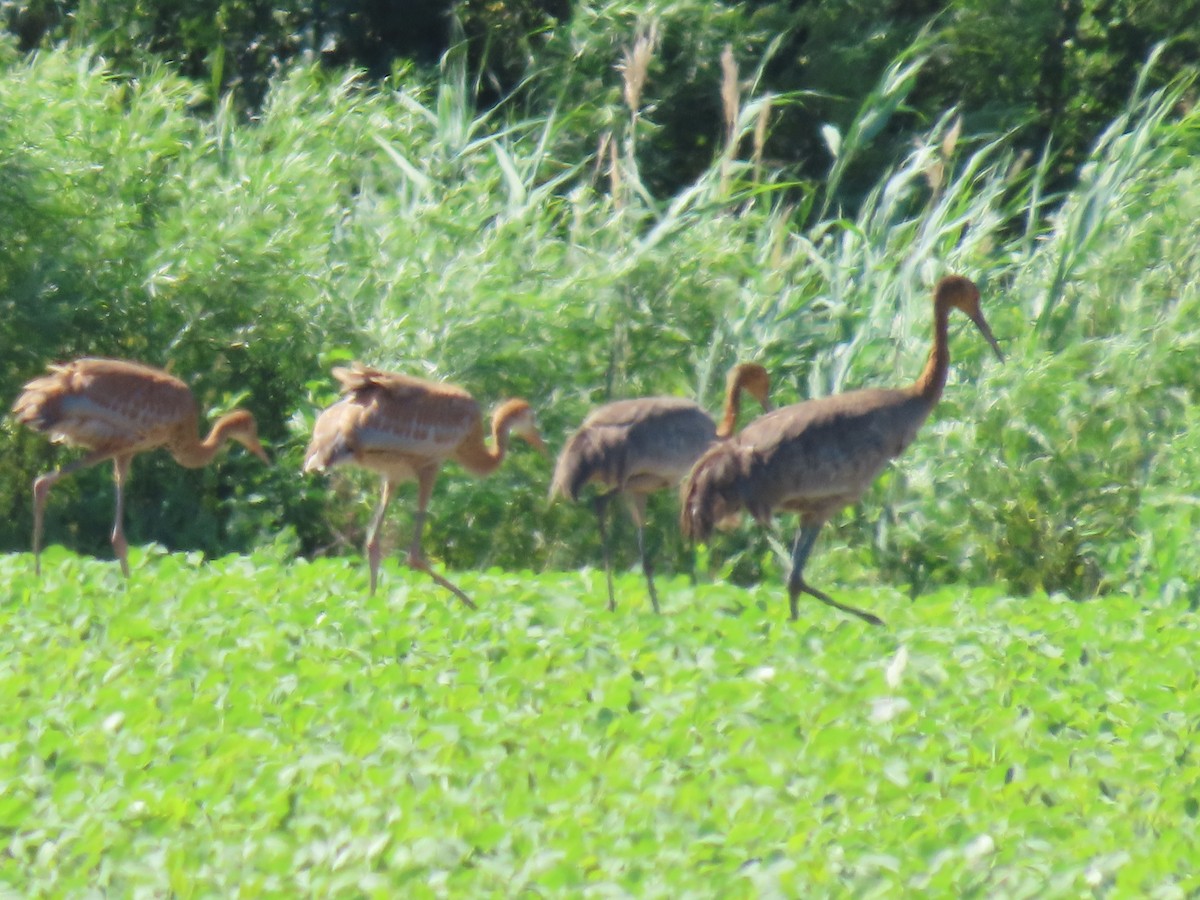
[
  {"x": 373, "y": 536},
  {"x": 119, "y": 544},
  {"x": 41, "y": 491},
  {"x": 600, "y": 505},
  {"x": 416, "y": 557},
  {"x": 805, "y": 538},
  {"x": 637, "y": 509}
]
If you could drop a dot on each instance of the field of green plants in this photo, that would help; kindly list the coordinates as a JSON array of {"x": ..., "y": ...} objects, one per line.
[{"x": 242, "y": 727}]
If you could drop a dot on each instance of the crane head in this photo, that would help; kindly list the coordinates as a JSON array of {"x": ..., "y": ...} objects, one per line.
[
  {"x": 517, "y": 417},
  {"x": 240, "y": 426},
  {"x": 961, "y": 293},
  {"x": 754, "y": 380}
]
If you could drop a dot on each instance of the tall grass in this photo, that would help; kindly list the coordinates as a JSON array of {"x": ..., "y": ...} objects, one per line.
[{"x": 401, "y": 226}]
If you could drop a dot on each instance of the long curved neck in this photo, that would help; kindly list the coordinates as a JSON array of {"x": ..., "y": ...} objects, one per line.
[
  {"x": 475, "y": 456},
  {"x": 933, "y": 379},
  {"x": 733, "y": 406},
  {"x": 191, "y": 452}
]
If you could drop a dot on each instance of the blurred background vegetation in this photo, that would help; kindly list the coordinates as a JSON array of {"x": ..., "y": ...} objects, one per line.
[{"x": 574, "y": 202}]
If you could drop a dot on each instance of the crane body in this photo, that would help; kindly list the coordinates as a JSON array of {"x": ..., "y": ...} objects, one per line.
[
  {"x": 404, "y": 429},
  {"x": 816, "y": 457},
  {"x": 634, "y": 447},
  {"x": 116, "y": 409}
]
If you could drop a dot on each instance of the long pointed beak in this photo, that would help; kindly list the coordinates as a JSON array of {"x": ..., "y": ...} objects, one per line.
[
  {"x": 261, "y": 453},
  {"x": 535, "y": 441},
  {"x": 986, "y": 331}
]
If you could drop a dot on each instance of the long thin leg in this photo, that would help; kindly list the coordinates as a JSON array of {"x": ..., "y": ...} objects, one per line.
[
  {"x": 416, "y": 557},
  {"x": 805, "y": 538},
  {"x": 41, "y": 490},
  {"x": 637, "y": 509},
  {"x": 373, "y": 536},
  {"x": 600, "y": 505},
  {"x": 120, "y": 546}
]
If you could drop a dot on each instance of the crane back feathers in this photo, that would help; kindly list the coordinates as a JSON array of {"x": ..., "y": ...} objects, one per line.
[
  {"x": 397, "y": 424},
  {"x": 104, "y": 403},
  {"x": 812, "y": 458},
  {"x": 122, "y": 408},
  {"x": 641, "y": 445}
]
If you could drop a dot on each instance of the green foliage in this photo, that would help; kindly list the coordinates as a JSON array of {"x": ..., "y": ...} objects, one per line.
[
  {"x": 1049, "y": 71},
  {"x": 136, "y": 230},
  {"x": 1045, "y": 469},
  {"x": 239, "y": 726},
  {"x": 404, "y": 227}
]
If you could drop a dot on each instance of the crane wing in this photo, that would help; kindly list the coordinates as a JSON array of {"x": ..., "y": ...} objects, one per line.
[
  {"x": 834, "y": 446},
  {"x": 103, "y": 403}
]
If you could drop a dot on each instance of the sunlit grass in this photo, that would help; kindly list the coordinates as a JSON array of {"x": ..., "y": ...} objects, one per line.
[{"x": 241, "y": 728}]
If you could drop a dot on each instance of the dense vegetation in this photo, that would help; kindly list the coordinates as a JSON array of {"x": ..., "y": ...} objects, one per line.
[
  {"x": 242, "y": 728},
  {"x": 1045, "y": 70},
  {"x": 529, "y": 248},
  {"x": 574, "y": 203}
]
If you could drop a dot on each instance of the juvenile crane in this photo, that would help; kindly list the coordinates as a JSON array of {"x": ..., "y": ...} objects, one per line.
[
  {"x": 116, "y": 410},
  {"x": 636, "y": 447},
  {"x": 815, "y": 457},
  {"x": 405, "y": 428}
]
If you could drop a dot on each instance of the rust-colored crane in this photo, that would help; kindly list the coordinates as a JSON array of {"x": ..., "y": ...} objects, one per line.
[
  {"x": 405, "y": 428},
  {"x": 116, "y": 410},
  {"x": 815, "y": 457},
  {"x": 636, "y": 447}
]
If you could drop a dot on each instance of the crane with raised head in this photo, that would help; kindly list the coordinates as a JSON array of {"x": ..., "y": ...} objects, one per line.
[
  {"x": 115, "y": 410},
  {"x": 816, "y": 457},
  {"x": 633, "y": 448},
  {"x": 404, "y": 429}
]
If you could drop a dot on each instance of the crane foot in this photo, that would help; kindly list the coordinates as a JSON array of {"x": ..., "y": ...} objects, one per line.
[
  {"x": 829, "y": 601},
  {"x": 422, "y": 565}
]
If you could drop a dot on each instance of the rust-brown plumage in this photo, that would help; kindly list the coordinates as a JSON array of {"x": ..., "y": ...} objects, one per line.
[
  {"x": 405, "y": 428},
  {"x": 116, "y": 410},
  {"x": 815, "y": 457},
  {"x": 636, "y": 447}
]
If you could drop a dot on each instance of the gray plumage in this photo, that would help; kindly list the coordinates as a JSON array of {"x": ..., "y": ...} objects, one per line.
[
  {"x": 641, "y": 445},
  {"x": 633, "y": 448},
  {"x": 816, "y": 457}
]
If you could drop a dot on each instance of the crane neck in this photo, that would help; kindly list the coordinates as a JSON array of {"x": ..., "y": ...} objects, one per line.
[
  {"x": 474, "y": 455},
  {"x": 192, "y": 453},
  {"x": 933, "y": 378},
  {"x": 733, "y": 407}
]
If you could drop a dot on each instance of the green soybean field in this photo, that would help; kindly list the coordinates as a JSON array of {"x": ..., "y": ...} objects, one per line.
[{"x": 245, "y": 727}]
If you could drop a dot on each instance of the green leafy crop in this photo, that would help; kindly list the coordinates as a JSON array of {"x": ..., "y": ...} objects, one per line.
[{"x": 242, "y": 728}]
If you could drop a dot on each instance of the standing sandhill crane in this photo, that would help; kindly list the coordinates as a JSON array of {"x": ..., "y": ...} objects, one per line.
[
  {"x": 405, "y": 428},
  {"x": 815, "y": 457},
  {"x": 636, "y": 447},
  {"x": 116, "y": 410}
]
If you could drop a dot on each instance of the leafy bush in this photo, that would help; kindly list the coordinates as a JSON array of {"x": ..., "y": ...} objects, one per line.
[{"x": 405, "y": 227}]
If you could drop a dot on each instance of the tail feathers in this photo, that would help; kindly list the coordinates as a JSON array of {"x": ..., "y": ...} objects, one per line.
[
  {"x": 38, "y": 405},
  {"x": 715, "y": 490},
  {"x": 333, "y": 439},
  {"x": 585, "y": 458},
  {"x": 320, "y": 459},
  {"x": 357, "y": 377}
]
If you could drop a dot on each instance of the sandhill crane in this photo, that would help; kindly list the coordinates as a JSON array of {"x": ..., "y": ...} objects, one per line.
[
  {"x": 116, "y": 410},
  {"x": 636, "y": 447},
  {"x": 405, "y": 428},
  {"x": 815, "y": 457}
]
